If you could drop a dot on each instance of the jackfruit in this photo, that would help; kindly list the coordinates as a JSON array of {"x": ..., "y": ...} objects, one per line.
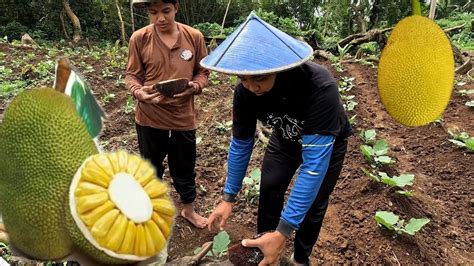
[
  {"x": 119, "y": 210},
  {"x": 416, "y": 72},
  {"x": 43, "y": 143}
]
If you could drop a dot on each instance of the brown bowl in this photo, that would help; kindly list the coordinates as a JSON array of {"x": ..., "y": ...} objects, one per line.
[{"x": 171, "y": 87}]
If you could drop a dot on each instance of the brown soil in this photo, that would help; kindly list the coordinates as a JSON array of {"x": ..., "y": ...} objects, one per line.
[{"x": 443, "y": 174}]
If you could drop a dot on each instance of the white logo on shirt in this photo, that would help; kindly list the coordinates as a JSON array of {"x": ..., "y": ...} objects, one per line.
[{"x": 186, "y": 55}]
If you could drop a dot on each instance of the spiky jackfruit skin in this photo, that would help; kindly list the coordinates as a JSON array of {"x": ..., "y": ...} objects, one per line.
[
  {"x": 43, "y": 143},
  {"x": 416, "y": 72}
]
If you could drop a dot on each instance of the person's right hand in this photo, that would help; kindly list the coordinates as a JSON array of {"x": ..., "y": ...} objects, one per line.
[
  {"x": 219, "y": 216},
  {"x": 148, "y": 94}
]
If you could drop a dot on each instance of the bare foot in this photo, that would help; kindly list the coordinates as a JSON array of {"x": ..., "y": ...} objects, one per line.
[{"x": 194, "y": 218}]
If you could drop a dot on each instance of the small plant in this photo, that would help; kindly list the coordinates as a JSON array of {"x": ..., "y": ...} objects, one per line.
[
  {"x": 470, "y": 104},
  {"x": 462, "y": 139},
  {"x": 345, "y": 85},
  {"x": 377, "y": 154},
  {"x": 252, "y": 185},
  {"x": 129, "y": 105},
  {"x": 233, "y": 80},
  {"x": 220, "y": 244},
  {"x": 465, "y": 92},
  {"x": 393, "y": 223},
  {"x": 368, "y": 136},
  {"x": 223, "y": 127},
  {"x": 5, "y": 252},
  {"x": 352, "y": 120},
  {"x": 107, "y": 97},
  {"x": 395, "y": 181},
  {"x": 214, "y": 78}
]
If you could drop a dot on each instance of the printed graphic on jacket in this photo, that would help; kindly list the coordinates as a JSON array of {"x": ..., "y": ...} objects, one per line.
[{"x": 289, "y": 128}]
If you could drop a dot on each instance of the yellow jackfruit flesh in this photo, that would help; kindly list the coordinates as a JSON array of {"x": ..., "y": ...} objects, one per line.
[
  {"x": 416, "y": 72},
  {"x": 120, "y": 211},
  {"x": 42, "y": 144}
]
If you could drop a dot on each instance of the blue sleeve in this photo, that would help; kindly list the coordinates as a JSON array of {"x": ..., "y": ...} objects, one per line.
[
  {"x": 316, "y": 153},
  {"x": 237, "y": 163}
]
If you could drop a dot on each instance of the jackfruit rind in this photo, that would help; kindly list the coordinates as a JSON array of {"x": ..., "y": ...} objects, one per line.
[
  {"x": 43, "y": 142},
  {"x": 416, "y": 72},
  {"x": 119, "y": 211}
]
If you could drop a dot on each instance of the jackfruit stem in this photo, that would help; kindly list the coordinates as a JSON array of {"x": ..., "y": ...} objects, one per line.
[{"x": 416, "y": 7}]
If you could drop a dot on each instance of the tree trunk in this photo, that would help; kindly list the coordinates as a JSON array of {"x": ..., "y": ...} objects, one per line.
[
  {"x": 375, "y": 14},
  {"x": 432, "y": 9},
  {"x": 75, "y": 21},
  {"x": 225, "y": 16},
  {"x": 61, "y": 17},
  {"x": 132, "y": 17},
  {"x": 122, "y": 25}
]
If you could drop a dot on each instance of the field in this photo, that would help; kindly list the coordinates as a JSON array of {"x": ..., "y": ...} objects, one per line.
[{"x": 444, "y": 173}]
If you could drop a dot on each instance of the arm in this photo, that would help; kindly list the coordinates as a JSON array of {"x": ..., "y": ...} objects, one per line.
[
  {"x": 135, "y": 71},
  {"x": 200, "y": 74},
  {"x": 316, "y": 151},
  {"x": 237, "y": 163}
]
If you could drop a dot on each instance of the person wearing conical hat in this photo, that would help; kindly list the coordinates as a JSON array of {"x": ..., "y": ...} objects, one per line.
[
  {"x": 300, "y": 100},
  {"x": 166, "y": 126}
]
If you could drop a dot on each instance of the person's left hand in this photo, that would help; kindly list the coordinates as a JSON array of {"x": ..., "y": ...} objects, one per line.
[
  {"x": 193, "y": 88},
  {"x": 271, "y": 244}
]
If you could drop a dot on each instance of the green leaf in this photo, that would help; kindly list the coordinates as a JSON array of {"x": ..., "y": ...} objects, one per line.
[
  {"x": 384, "y": 159},
  {"x": 381, "y": 147},
  {"x": 369, "y": 174},
  {"x": 457, "y": 142},
  {"x": 387, "y": 219},
  {"x": 198, "y": 249},
  {"x": 470, "y": 104},
  {"x": 220, "y": 244},
  {"x": 248, "y": 181},
  {"x": 255, "y": 174},
  {"x": 403, "y": 180},
  {"x": 369, "y": 135},
  {"x": 404, "y": 193},
  {"x": 368, "y": 152},
  {"x": 414, "y": 225},
  {"x": 388, "y": 181},
  {"x": 470, "y": 144}
]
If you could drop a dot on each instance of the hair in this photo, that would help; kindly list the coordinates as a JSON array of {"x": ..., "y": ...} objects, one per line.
[{"x": 174, "y": 2}]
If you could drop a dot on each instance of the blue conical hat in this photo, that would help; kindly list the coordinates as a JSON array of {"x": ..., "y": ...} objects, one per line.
[{"x": 257, "y": 48}]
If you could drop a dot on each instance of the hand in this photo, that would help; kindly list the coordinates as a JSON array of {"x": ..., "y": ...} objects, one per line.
[
  {"x": 148, "y": 94},
  {"x": 219, "y": 216},
  {"x": 271, "y": 244},
  {"x": 193, "y": 88}
]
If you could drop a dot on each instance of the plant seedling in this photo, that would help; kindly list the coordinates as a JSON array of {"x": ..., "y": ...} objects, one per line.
[
  {"x": 462, "y": 140},
  {"x": 368, "y": 136},
  {"x": 252, "y": 185},
  {"x": 220, "y": 244},
  {"x": 377, "y": 153},
  {"x": 393, "y": 223},
  {"x": 396, "y": 181}
]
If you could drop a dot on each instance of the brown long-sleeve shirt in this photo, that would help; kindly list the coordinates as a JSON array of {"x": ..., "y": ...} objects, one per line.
[{"x": 151, "y": 61}]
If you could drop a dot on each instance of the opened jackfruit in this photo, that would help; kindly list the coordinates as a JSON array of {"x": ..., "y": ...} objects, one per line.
[
  {"x": 416, "y": 72},
  {"x": 120, "y": 211}
]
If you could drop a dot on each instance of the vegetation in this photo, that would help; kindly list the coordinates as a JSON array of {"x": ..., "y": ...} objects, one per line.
[
  {"x": 220, "y": 244},
  {"x": 393, "y": 223}
]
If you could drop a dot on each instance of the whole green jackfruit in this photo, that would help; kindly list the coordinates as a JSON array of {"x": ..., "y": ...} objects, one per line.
[{"x": 43, "y": 142}]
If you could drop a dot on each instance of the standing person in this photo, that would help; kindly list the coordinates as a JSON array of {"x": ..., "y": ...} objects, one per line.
[
  {"x": 300, "y": 100},
  {"x": 161, "y": 51}
]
